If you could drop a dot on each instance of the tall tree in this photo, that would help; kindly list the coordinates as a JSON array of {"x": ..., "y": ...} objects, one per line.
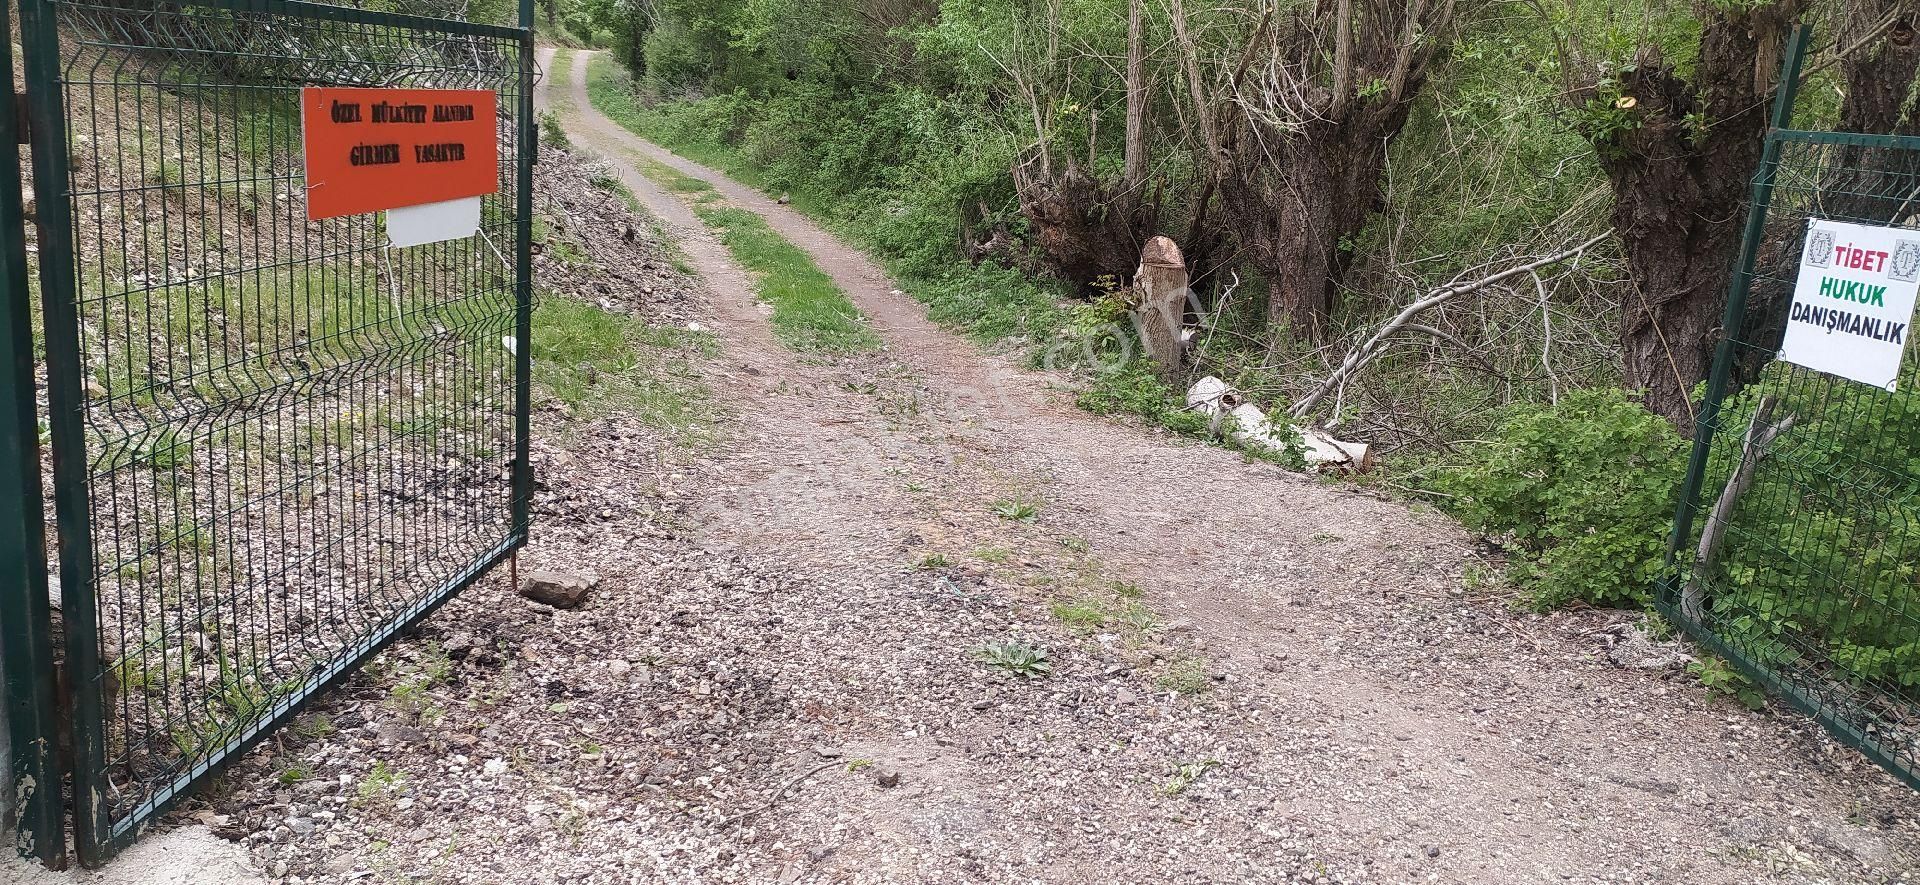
[
  {"x": 1679, "y": 151},
  {"x": 1085, "y": 225},
  {"x": 1296, "y": 117}
]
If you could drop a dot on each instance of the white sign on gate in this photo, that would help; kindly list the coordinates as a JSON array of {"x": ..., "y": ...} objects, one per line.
[{"x": 1853, "y": 304}]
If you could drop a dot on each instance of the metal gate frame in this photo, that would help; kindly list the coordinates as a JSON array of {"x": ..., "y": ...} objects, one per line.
[
  {"x": 1813, "y": 694},
  {"x": 32, "y": 704},
  {"x": 25, "y": 621}
]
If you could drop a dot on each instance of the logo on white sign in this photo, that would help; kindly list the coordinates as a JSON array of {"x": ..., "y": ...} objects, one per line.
[{"x": 1853, "y": 303}]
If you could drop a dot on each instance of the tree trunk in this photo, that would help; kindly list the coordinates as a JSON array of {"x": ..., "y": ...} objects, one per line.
[
  {"x": 1083, "y": 230},
  {"x": 1300, "y": 269},
  {"x": 1680, "y": 195},
  {"x": 1299, "y": 135},
  {"x": 1295, "y": 229},
  {"x": 1159, "y": 305},
  {"x": 1135, "y": 176}
]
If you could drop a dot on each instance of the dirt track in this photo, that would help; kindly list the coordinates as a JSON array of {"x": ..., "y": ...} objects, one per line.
[
  {"x": 1373, "y": 714},
  {"x": 1260, "y": 676}
]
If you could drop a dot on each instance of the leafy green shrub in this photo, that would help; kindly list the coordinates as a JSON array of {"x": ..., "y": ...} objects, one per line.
[
  {"x": 1581, "y": 492},
  {"x": 1133, "y": 389}
]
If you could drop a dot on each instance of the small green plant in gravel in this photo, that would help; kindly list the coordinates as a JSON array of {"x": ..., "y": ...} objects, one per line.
[
  {"x": 413, "y": 696},
  {"x": 1015, "y": 658},
  {"x": 1014, "y": 510},
  {"x": 1184, "y": 774},
  {"x": 552, "y": 134},
  {"x": 1720, "y": 678},
  {"x": 1083, "y": 615},
  {"x": 1187, "y": 677},
  {"x": 995, "y": 555},
  {"x": 934, "y": 561},
  {"x": 1137, "y": 617},
  {"x": 383, "y": 779}
]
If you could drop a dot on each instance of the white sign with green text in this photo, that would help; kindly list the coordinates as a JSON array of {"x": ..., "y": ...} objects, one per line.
[{"x": 1853, "y": 305}]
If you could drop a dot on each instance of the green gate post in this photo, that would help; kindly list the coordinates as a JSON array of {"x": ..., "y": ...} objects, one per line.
[
  {"x": 1706, "y": 423},
  {"x": 528, "y": 144},
  {"x": 26, "y": 629},
  {"x": 111, "y": 805},
  {"x": 40, "y": 42}
]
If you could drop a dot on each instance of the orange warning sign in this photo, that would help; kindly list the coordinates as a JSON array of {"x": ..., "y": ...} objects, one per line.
[{"x": 373, "y": 149}]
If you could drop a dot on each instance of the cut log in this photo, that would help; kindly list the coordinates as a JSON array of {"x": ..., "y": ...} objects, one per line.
[
  {"x": 1253, "y": 427},
  {"x": 1159, "y": 304}
]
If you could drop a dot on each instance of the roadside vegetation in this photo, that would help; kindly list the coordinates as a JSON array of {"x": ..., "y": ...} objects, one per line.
[
  {"x": 810, "y": 312},
  {"x": 1006, "y": 160}
]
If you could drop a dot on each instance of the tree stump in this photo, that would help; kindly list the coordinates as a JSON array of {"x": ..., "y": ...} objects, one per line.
[{"x": 1160, "y": 303}]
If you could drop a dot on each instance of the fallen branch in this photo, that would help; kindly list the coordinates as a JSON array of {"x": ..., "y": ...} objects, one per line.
[
  {"x": 791, "y": 782},
  {"x": 1359, "y": 356},
  {"x": 1753, "y": 448}
]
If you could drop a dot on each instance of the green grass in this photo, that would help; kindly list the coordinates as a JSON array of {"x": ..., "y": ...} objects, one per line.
[
  {"x": 995, "y": 555},
  {"x": 810, "y": 313},
  {"x": 1188, "y": 677},
  {"x": 383, "y": 779},
  {"x": 1184, "y": 774},
  {"x": 1083, "y": 616},
  {"x": 560, "y": 73},
  {"x": 611, "y": 90},
  {"x": 596, "y": 361},
  {"x": 675, "y": 180},
  {"x": 1016, "y": 511}
]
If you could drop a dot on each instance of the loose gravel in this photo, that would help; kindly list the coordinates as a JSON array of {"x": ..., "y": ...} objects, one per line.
[{"x": 1255, "y": 676}]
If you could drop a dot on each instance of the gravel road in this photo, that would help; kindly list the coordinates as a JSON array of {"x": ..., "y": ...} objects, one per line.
[{"x": 1257, "y": 676}]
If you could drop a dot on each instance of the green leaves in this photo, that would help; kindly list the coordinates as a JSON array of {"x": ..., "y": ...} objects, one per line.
[
  {"x": 1015, "y": 657},
  {"x": 1819, "y": 560},
  {"x": 1581, "y": 493}
]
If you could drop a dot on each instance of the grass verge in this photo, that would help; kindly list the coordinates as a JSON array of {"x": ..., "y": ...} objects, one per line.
[
  {"x": 595, "y": 361},
  {"x": 560, "y": 74},
  {"x": 810, "y": 313}
]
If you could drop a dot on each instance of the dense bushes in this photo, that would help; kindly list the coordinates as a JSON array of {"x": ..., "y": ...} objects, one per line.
[{"x": 1582, "y": 492}]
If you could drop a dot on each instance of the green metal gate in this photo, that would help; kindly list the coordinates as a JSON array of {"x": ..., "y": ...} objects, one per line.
[
  {"x": 276, "y": 443},
  {"x": 1795, "y": 553}
]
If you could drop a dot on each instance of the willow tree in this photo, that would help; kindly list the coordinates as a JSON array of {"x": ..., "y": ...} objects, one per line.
[
  {"x": 1296, "y": 105},
  {"x": 1679, "y": 148}
]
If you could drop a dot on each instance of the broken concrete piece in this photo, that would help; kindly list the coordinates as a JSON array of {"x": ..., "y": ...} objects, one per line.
[{"x": 1251, "y": 426}]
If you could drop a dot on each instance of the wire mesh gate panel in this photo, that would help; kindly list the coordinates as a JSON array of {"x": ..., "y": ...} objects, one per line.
[
  {"x": 276, "y": 442},
  {"x": 1797, "y": 543}
]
